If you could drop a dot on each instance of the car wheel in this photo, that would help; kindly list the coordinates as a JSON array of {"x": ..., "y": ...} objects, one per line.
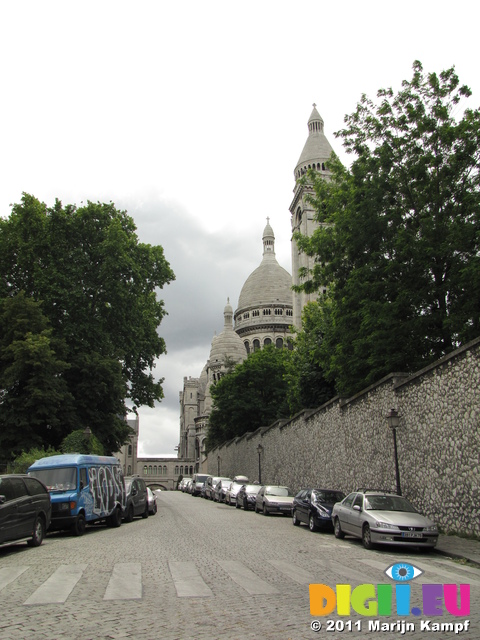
[
  {"x": 337, "y": 529},
  {"x": 367, "y": 537},
  {"x": 38, "y": 532},
  {"x": 79, "y": 526},
  {"x": 245, "y": 505},
  {"x": 129, "y": 515},
  {"x": 265, "y": 510},
  {"x": 115, "y": 520},
  {"x": 311, "y": 524},
  {"x": 146, "y": 513},
  {"x": 295, "y": 520},
  {"x": 256, "y": 510},
  {"x": 237, "y": 506}
]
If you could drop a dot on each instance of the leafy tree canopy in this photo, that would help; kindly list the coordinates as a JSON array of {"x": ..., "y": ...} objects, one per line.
[
  {"x": 253, "y": 395},
  {"x": 97, "y": 287},
  {"x": 398, "y": 240}
]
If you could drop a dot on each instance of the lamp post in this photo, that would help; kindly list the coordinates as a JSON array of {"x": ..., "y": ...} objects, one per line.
[
  {"x": 87, "y": 434},
  {"x": 259, "y": 451},
  {"x": 218, "y": 465},
  {"x": 393, "y": 420}
]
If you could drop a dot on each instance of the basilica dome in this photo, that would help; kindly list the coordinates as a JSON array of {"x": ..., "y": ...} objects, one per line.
[
  {"x": 265, "y": 305},
  {"x": 227, "y": 344}
]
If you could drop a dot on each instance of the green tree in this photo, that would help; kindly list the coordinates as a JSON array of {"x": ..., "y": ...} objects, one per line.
[
  {"x": 97, "y": 284},
  {"x": 253, "y": 395},
  {"x": 34, "y": 396},
  {"x": 27, "y": 458},
  {"x": 308, "y": 387},
  {"x": 398, "y": 242},
  {"x": 81, "y": 442}
]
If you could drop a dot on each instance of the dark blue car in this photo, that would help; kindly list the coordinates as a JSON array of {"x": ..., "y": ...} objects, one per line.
[{"x": 314, "y": 507}]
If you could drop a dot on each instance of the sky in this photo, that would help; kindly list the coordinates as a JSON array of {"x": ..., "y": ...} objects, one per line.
[{"x": 192, "y": 116}]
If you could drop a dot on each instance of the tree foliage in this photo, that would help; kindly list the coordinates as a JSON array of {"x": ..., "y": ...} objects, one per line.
[
  {"x": 398, "y": 241},
  {"x": 253, "y": 395},
  {"x": 308, "y": 387},
  {"x": 97, "y": 287}
]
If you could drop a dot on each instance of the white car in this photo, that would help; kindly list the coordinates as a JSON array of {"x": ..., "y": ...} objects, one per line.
[{"x": 274, "y": 499}]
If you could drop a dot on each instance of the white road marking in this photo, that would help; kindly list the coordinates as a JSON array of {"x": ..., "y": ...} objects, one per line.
[
  {"x": 125, "y": 582},
  {"x": 295, "y": 573},
  {"x": 188, "y": 581},
  {"x": 9, "y": 574},
  {"x": 248, "y": 580},
  {"x": 58, "y": 586}
]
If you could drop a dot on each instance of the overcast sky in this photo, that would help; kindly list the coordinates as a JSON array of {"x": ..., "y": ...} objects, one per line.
[{"x": 192, "y": 116}]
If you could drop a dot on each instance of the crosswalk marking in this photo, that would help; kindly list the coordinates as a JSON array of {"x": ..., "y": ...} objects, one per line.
[
  {"x": 58, "y": 586},
  {"x": 9, "y": 574},
  {"x": 248, "y": 580},
  {"x": 292, "y": 571},
  {"x": 125, "y": 582},
  {"x": 188, "y": 581}
]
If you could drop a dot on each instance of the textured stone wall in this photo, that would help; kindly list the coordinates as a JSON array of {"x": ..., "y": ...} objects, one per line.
[{"x": 346, "y": 444}]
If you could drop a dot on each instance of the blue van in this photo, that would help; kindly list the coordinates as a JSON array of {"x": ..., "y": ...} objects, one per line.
[{"x": 84, "y": 489}]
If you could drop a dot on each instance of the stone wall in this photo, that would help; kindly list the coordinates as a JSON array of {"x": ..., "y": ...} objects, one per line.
[{"x": 346, "y": 444}]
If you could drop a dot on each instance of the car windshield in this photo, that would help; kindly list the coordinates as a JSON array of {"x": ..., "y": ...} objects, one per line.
[
  {"x": 58, "y": 479},
  {"x": 201, "y": 478},
  {"x": 388, "y": 503},
  {"x": 328, "y": 496},
  {"x": 278, "y": 491}
]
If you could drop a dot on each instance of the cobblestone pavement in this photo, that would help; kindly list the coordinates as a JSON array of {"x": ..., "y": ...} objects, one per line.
[{"x": 204, "y": 571}]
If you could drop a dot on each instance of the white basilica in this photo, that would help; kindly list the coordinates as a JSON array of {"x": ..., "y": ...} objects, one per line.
[{"x": 267, "y": 307}]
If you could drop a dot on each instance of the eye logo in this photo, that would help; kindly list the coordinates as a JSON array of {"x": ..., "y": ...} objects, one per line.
[{"x": 403, "y": 572}]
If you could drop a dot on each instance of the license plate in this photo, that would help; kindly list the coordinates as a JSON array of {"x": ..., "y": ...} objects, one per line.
[{"x": 411, "y": 534}]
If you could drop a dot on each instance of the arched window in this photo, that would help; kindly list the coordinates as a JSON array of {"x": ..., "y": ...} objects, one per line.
[
  {"x": 150, "y": 470},
  {"x": 129, "y": 449},
  {"x": 155, "y": 470},
  {"x": 165, "y": 470},
  {"x": 145, "y": 470},
  {"x": 129, "y": 470},
  {"x": 279, "y": 343},
  {"x": 247, "y": 346},
  {"x": 256, "y": 345},
  {"x": 176, "y": 470},
  {"x": 160, "y": 471},
  {"x": 191, "y": 471},
  {"x": 181, "y": 470},
  {"x": 266, "y": 342}
]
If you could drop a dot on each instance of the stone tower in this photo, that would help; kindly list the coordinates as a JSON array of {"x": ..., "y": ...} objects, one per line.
[{"x": 316, "y": 152}]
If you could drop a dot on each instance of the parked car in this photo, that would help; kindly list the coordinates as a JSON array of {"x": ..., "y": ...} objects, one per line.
[
  {"x": 247, "y": 496},
  {"x": 220, "y": 489},
  {"x": 231, "y": 492},
  {"x": 137, "y": 498},
  {"x": 198, "y": 481},
  {"x": 25, "y": 510},
  {"x": 211, "y": 483},
  {"x": 377, "y": 517},
  {"x": 182, "y": 484},
  {"x": 241, "y": 479},
  {"x": 274, "y": 499},
  {"x": 152, "y": 502},
  {"x": 188, "y": 486},
  {"x": 314, "y": 507}
]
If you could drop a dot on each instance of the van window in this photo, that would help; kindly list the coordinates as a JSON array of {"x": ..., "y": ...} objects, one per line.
[
  {"x": 57, "y": 479},
  {"x": 83, "y": 478}
]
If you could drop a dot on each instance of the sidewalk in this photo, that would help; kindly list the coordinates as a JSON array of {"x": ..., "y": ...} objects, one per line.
[{"x": 456, "y": 547}]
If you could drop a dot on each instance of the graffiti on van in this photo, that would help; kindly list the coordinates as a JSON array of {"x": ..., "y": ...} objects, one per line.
[{"x": 106, "y": 487}]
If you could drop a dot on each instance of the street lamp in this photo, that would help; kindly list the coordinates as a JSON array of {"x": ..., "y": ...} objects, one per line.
[
  {"x": 393, "y": 420},
  {"x": 260, "y": 451}
]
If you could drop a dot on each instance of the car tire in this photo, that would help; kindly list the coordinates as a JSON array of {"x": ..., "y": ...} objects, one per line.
[
  {"x": 311, "y": 524},
  {"x": 115, "y": 519},
  {"x": 245, "y": 505},
  {"x": 265, "y": 510},
  {"x": 337, "y": 529},
  {"x": 129, "y": 515},
  {"x": 146, "y": 513},
  {"x": 38, "y": 532},
  {"x": 256, "y": 510},
  {"x": 237, "y": 506},
  {"x": 79, "y": 526},
  {"x": 295, "y": 520},
  {"x": 367, "y": 537}
]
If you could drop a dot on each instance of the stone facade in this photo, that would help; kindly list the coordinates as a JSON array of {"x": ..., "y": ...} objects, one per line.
[{"x": 347, "y": 444}]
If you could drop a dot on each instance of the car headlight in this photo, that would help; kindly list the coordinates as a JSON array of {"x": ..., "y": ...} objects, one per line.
[
  {"x": 322, "y": 512},
  {"x": 385, "y": 525},
  {"x": 430, "y": 529}
]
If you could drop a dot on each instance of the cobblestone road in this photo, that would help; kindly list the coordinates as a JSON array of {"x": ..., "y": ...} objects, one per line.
[{"x": 203, "y": 571}]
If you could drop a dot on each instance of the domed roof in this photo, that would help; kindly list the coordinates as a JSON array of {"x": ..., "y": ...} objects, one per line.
[
  {"x": 228, "y": 344},
  {"x": 269, "y": 283},
  {"x": 317, "y": 148}
]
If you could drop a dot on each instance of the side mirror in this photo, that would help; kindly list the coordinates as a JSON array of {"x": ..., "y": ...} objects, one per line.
[
  {"x": 356, "y": 507},
  {"x": 3, "y": 499}
]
